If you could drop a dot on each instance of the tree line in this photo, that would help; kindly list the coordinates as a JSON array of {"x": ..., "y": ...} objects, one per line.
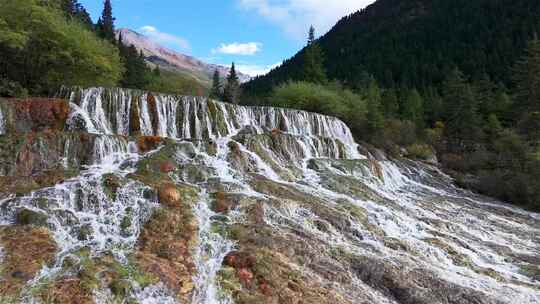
[
  {"x": 47, "y": 44},
  {"x": 487, "y": 135}
]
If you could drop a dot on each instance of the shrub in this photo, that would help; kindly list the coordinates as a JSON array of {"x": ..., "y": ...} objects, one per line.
[
  {"x": 42, "y": 50},
  {"x": 420, "y": 151}
]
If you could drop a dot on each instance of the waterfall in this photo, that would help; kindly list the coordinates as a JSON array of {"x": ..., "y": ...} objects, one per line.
[
  {"x": 332, "y": 216},
  {"x": 208, "y": 256},
  {"x": 2, "y": 122},
  {"x": 197, "y": 118}
]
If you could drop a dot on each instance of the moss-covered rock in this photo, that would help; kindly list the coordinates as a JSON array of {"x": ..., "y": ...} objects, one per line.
[
  {"x": 31, "y": 217},
  {"x": 26, "y": 250}
]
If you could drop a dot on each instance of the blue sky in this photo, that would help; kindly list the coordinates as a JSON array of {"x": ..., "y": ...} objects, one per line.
[{"x": 256, "y": 34}]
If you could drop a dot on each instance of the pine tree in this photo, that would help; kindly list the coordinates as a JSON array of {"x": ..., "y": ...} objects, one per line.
[
  {"x": 413, "y": 108},
  {"x": 231, "y": 92},
  {"x": 462, "y": 121},
  {"x": 215, "y": 91},
  {"x": 313, "y": 69},
  {"x": 105, "y": 24},
  {"x": 526, "y": 76},
  {"x": 156, "y": 72},
  {"x": 137, "y": 74},
  {"x": 375, "y": 119},
  {"x": 73, "y": 9},
  {"x": 390, "y": 103},
  {"x": 433, "y": 106},
  {"x": 311, "y": 35}
]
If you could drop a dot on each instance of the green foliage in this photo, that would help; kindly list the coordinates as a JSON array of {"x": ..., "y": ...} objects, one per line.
[
  {"x": 73, "y": 9},
  {"x": 526, "y": 76},
  {"x": 137, "y": 74},
  {"x": 313, "y": 67},
  {"x": 10, "y": 88},
  {"x": 175, "y": 83},
  {"x": 105, "y": 24},
  {"x": 413, "y": 108},
  {"x": 461, "y": 115},
  {"x": 331, "y": 99},
  {"x": 390, "y": 103},
  {"x": 416, "y": 43},
  {"x": 231, "y": 91},
  {"x": 215, "y": 90},
  {"x": 420, "y": 151},
  {"x": 41, "y": 50},
  {"x": 375, "y": 118},
  {"x": 482, "y": 109}
]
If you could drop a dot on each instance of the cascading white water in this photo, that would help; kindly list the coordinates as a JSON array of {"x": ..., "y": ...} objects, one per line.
[
  {"x": 2, "y": 122},
  {"x": 463, "y": 239},
  {"x": 209, "y": 256},
  {"x": 201, "y": 118}
]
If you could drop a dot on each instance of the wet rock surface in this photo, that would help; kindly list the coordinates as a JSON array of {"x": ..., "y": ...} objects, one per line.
[{"x": 121, "y": 196}]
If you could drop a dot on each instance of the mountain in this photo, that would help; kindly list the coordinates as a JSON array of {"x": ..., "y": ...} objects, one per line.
[
  {"x": 123, "y": 196},
  {"x": 415, "y": 43},
  {"x": 174, "y": 61}
]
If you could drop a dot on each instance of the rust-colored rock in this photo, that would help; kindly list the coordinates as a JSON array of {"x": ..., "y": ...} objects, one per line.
[
  {"x": 221, "y": 203},
  {"x": 69, "y": 291},
  {"x": 174, "y": 275},
  {"x": 148, "y": 143},
  {"x": 40, "y": 114},
  {"x": 153, "y": 111},
  {"x": 276, "y": 131},
  {"x": 134, "y": 114},
  {"x": 169, "y": 195},
  {"x": 239, "y": 260},
  {"x": 167, "y": 167},
  {"x": 245, "y": 276}
]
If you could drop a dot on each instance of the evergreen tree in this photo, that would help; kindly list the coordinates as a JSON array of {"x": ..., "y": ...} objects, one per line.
[
  {"x": 105, "y": 24},
  {"x": 484, "y": 90},
  {"x": 460, "y": 109},
  {"x": 156, "y": 72},
  {"x": 390, "y": 104},
  {"x": 231, "y": 92},
  {"x": 413, "y": 108},
  {"x": 433, "y": 106},
  {"x": 311, "y": 35},
  {"x": 375, "y": 119},
  {"x": 493, "y": 127},
  {"x": 73, "y": 9},
  {"x": 215, "y": 91},
  {"x": 526, "y": 76},
  {"x": 137, "y": 74},
  {"x": 313, "y": 70}
]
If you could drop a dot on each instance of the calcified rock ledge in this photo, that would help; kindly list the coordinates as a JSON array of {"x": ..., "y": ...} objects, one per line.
[{"x": 123, "y": 196}]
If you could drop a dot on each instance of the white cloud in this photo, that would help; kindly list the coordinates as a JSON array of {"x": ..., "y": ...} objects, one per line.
[
  {"x": 164, "y": 38},
  {"x": 235, "y": 48},
  {"x": 255, "y": 70},
  {"x": 295, "y": 16}
]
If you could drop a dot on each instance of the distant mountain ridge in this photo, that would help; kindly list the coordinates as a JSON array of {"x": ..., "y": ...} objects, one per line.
[{"x": 172, "y": 60}]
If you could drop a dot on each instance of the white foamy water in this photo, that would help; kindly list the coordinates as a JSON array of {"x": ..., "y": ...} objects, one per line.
[{"x": 408, "y": 214}]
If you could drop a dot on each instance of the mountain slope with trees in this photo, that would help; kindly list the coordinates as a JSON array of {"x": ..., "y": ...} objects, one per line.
[
  {"x": 453, "y": 81},
  {"x": 416, "y": 43}
]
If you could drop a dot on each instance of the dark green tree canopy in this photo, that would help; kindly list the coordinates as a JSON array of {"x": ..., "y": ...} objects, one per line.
[
  {"x": 231, "y": 91},
  {"x": 105, "y": 24},
  {"x": 215, "y": 90}
]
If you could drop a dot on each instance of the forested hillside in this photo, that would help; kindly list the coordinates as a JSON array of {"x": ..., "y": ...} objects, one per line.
[
  {"x": 416, "y": 43},
  {"x": 453, "y": 81},
  {"x": 45, "y": 44}
]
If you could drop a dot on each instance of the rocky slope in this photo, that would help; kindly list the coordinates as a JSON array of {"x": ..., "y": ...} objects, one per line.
[
  {"x": 122, "y": 196},
  {"x": 174, "y": 61}
]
